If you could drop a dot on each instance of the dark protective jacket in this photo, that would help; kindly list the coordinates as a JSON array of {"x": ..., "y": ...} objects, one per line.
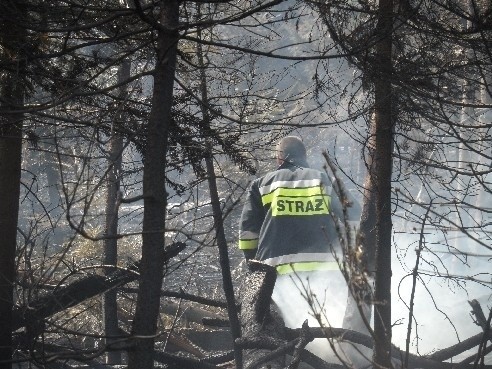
[{"x": 289, "y": 219}]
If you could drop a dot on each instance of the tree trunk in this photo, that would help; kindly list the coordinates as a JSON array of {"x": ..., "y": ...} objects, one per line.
[
  {"x": 359, "y": 302},
  {"x": 367, "y": 234},
  {"x": 484, "y": 198},
  {"x": 148, "y": 299},
  {"x": 217, "y": 215},
  {"x": 260, "y": 321},
  {"x": 110, "y": 307},
  {"x": 224, "y": 259},
  {"x": 382, "y": 176},
  {"x": 12, "y": 39}
]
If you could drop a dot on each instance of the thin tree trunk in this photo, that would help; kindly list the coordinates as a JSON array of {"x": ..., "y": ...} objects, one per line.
[
  {"x": 464, "y": 217},
  {"x": 10, "y": 165},
  {"x": 110, "y": 306},
  {"x": 382, "y": 176},
  {"x": 484, "y": 198},
  {"x": 224, "y": 259},
  {"x": 218, "y": 221},
  {"x": 367, "y": 231},
  {"x": 148, "y": 299},
  {"x": 359, "y": 302},
  {"x": 12, "y": 93}
]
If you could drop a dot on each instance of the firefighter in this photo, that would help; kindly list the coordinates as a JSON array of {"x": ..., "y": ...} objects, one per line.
[{"x": 289, "y": 221}]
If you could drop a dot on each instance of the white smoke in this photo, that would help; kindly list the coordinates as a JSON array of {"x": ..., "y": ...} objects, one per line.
[
  {"x": 441, "y": 310},
  {"x": 441, "y": 315},
  {"x": 320, "y": 298}
]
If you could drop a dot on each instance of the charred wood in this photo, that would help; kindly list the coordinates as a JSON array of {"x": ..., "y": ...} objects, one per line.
[
  {"x": 215, "y": 322},
  {"x": 258, "y": 320},
  {"x": 280, "y": 347},
  {"x": 66, "y": 297},
  {"x": 219, "y": 358},
  {"x": 194, "y": 298},
  {"x": 179, "y": 362},
  {"x": 184, "y": 296},
  {"x": 480, "y": 317},
  {"x": 85, "y": 288},
  {"x": 458, "y": 348},
  {"x": 434, "y": 361},
  {"x": 304, "y": 339},
  {"x": 485, "y": 324}
]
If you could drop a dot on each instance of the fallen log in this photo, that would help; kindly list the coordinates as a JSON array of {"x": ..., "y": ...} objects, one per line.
[
  {"x": 85, "y": 288},
  {"x": 257, "y": 318},
  {"x": 434, "y": 361}
]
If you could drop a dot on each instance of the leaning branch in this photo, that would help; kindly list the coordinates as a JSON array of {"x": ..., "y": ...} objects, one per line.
[
  {"x": 434, "y": 361},
  {"x": 83, "y": 289}
]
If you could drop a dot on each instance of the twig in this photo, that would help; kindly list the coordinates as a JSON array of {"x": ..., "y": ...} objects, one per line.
[
  {"x": 485, "y": 324},
  {"x": 304, "y": 339},
  {"x": 415, "y": 273}
]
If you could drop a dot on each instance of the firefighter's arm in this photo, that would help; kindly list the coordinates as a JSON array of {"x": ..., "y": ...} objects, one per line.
[{"x": 251, "y": 221}]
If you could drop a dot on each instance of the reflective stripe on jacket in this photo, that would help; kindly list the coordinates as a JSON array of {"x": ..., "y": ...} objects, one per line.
[{"x": 287, "y": 219}]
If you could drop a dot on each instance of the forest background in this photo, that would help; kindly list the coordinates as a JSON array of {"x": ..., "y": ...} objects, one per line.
[{"x": 127, "y": 126}]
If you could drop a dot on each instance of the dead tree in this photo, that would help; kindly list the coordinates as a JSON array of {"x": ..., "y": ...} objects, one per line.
[
  {"x": 85, "y": 288},
  {"x": 259, "y": 323},
  {"x": 265, "y": 340}
]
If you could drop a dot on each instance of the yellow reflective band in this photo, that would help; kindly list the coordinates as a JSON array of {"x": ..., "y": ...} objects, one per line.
[
  {"x": 292, "y": 192},
  {"x": 310, "y": 266},
  {"x": 248, "y": 244}
]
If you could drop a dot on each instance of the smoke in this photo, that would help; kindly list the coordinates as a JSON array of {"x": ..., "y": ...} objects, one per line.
[
  {"x": 320, "y": 298},
  {"x": 445, "y": 284},
  {"x": 441, "y": 315}
]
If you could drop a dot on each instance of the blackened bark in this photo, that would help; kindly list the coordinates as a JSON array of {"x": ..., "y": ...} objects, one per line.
[
  {"x": 258, "y": 320},
  {"x": 360, "y": 294},
  {"x": 148, "y": 300},
  {"x": 383, "y": 116},
  {"x": 224, "y": 259},
  {"x": 110, "y": 306},
  {"x": 84, "y": 288},
  {"x": 10, "y": 164},
  {"x": 433, "y": 361},
  {"x": 65, "y": 297},
  {"x": 217, "y": 215},
  {"x": 12, "y": 40},
  {"x": 359, "y": 298},
  {"x": 367, "y": 232}
]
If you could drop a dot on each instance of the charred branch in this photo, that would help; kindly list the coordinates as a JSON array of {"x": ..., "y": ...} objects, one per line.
[
  {"x": 179, "y": 362},
  {"x": 85, "y": 288},
  {"x": 281, "y": 347},
  {"x": 215, "y": 322},
  {"x": 485, "y": 324},
  {"x": 304, "y": 339},
  {"x": 457, "y": 349},
  {"x": 434, "y": 361},
  {"x": 479, "y": 315},
  {"x": 185, "y": 296},
  {"x": 258, "y": 320}
]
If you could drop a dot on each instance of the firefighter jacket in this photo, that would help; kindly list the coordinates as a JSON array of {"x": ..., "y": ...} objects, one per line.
[{"x": 289, "y": 219}]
